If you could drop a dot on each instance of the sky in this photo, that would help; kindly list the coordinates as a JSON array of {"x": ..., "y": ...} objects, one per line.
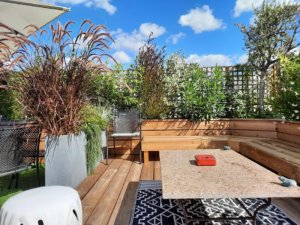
[{"x": 203, "y": 30}]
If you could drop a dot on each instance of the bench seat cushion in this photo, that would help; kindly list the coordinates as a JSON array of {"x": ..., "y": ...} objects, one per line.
[{"x": 135, "y": 134}]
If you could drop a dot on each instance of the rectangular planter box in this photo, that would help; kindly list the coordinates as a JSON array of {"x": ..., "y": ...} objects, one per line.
[{"x": 65, "y": 160}]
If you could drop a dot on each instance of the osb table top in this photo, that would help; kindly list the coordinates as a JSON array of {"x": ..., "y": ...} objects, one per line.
[{"x": 234, "y": 176}]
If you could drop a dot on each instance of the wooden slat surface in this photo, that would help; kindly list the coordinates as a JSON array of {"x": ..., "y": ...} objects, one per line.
[
  {"x": 132, "y": 177},
  {"x": 179, "y": 124},
  {"x": 124, "y": 214},
  {"x": 91, "y": 200},
  {"x": 253, "y": 125},
  {"x": 147, "y": 171},
  {"x": 289, "y": 128},
  {"x": 147, "y": 133},
  {"x": 90, "y": 181},
  {"x": 289, "y": 137},
  {"x": 104, "y": 208},
  {"x": 157, "y": 171},
  {"x": 286, "y": 155},
  {"x": 280, "y": 165},
  {"x": 254, "y": 133}
]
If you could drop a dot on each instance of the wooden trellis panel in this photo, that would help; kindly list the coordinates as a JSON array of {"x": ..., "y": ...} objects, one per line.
[{"x": 244, "y": 80}]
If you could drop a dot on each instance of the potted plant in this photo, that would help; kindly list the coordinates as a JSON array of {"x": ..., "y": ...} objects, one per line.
[{"x": 53, "y": 85}]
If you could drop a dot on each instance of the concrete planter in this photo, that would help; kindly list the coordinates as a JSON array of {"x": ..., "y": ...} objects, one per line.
[{"x": 65, "y": 160}]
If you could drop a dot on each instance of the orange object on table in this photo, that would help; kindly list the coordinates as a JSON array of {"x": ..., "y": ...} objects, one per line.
[{"x": 205, "y": 160}]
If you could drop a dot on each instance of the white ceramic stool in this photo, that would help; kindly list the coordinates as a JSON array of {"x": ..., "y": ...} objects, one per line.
[{"x": 52, "y": 205}]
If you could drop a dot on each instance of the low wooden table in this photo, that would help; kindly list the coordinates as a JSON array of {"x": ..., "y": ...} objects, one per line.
[{"x": 234, "y": 176}]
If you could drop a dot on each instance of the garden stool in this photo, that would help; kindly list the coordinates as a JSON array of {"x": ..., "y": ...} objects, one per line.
[{"x": 52, "y": 205}]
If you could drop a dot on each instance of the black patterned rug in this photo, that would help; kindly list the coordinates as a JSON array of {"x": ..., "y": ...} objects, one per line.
[{"x": 151, "y": 209}]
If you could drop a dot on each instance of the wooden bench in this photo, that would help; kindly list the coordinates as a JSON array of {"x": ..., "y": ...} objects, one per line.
[
  {"x": 280, "y": 156},
  {"x": 157, "y": 143}
]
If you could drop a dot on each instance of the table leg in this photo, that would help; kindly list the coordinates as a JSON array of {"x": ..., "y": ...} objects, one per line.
[
  {"x": 179, "y": 203},
  {"x": 264, "y": 206}
]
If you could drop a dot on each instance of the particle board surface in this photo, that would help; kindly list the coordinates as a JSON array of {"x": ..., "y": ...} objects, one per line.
[{"x": 234, "y": 176}]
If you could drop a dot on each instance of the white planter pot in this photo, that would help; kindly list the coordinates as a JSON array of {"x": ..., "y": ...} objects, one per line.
[{"x": 65, "y": 160}]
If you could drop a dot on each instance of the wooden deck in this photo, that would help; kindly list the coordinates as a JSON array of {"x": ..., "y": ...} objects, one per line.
[{"x": 113, "y": 185}]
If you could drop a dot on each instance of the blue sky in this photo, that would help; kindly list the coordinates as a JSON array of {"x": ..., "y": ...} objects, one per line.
[{"x": 204, "y": 30}]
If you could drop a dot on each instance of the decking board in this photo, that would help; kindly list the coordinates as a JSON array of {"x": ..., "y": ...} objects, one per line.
[
  {"x": 91, "y": 200},
  {"x": 90, "y": 181},
  {"x": 133, "y": 176},
  {"x": 104, "y": 208}
]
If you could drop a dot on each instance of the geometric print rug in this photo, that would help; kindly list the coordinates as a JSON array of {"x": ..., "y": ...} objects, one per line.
[{"x": 151, "y": 209}]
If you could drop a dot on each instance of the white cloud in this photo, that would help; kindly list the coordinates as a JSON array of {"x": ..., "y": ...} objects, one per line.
[
  {"x": 210, "y": 60},
  {"x": 174, "y": 38},
  {"x": 242, "y": 6},
  {"x": 201, "y": 19},
  {"x": 81, "y": 43},
  {"x": 121, "y": 57},
  {"x": 102, "y": 4},
  {"x": 242, "y": 59},
  {"x": 296, "y": 50},
  {"x": 147, "y": 28},
  {"x": 134, "y": 40}
]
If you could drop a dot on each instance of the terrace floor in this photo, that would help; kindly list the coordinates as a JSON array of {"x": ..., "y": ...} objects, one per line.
[{"x": 113, "y": 185}]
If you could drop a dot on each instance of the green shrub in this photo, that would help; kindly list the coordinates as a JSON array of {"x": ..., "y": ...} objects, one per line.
[
  {"x": 203, "y": 95},
  {"x": 174, "y": 80},
  {"x": 285, "y": 94},
  {"x": 235, "y": 101},
  {"x": 9, "y": 107},
  {"x": 118, "y": 88}
]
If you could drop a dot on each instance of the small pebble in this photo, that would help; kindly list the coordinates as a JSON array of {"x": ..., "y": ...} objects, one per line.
[
  {"x": 227, "y": 147},
  {"x": 286, "y": 182}
]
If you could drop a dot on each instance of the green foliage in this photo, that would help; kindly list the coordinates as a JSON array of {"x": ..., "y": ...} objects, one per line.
[
  {"x": 285, "y": 100},
  {"x": 237, "y": 103},
  {"x": 9, "y": 107},
  {"x": 95, "y": 120},
  {"x": 203, "y": 94},
  {"x": 193, "y": 93},
  {"x": 175, "y": 72},
  {"x": 273, "y": 31},
  {"x": 118, "y": 88}
]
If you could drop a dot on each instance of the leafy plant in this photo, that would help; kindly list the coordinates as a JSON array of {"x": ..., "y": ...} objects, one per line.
[
  {"x": 119, "y": 88},
  {"x": 273, "y": 31},
  {"x": 95, "y": 120},
  {"x": 204, "y": 96},
  {"x": 9, "y": 107},
  {"x": 236, "y": 100},
  {"x": 285, "y": 94},
  {"x": 56, "y": 76},
  {"x": 175, "y": 70}
]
